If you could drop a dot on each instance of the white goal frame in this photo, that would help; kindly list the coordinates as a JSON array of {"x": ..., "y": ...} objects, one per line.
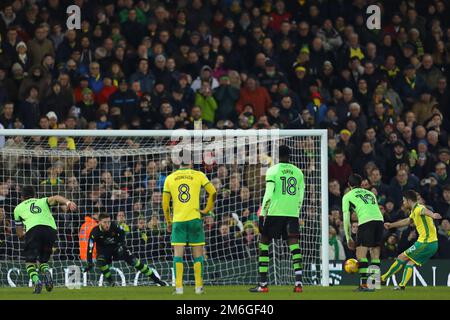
[{"x": 322, "y": 133}]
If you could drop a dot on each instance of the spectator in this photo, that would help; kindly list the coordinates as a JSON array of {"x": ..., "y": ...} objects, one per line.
[
  {"x": 143, "y": 76},
  {"x": 255, "y": 95},
  {"x": 205, "y": 100},
  {"x": 389, "y": 250},
  {"x": 39, "y": 46},
  {"x": 340, "y": 169},
  {"x": 444, "y": 239},
  {"x": 336, "y": 249},
  {"x": 400, "y": 183}
]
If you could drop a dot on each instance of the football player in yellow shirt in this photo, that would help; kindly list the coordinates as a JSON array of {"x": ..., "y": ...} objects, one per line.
[
  {"x": 426, "y": 245},
  {"x": 183, "y": 186}
]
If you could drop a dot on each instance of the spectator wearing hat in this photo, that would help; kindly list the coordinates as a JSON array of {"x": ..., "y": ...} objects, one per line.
[
  {"x": 21, "y": 55},
  {"x": 205, "y": 75},
  {"x": 205, "y": 100},
  {"x": 345, "y": 144},
  {"x": 317, "y": 108}
]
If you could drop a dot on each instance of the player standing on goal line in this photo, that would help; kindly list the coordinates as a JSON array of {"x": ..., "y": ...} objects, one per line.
[
  {"x": 282, "y": 202},
  {"x": 370, "y": 227},
  {"x": 40, "y": 234},
  {"x": 426, "y": 245},
  {"x": 109, "y": 238},
  {"x": 183, "y": 186}
]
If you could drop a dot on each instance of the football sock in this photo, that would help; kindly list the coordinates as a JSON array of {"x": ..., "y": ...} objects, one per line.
[
  {"x": 106, "y": 272},
  {"x": 263, "y": 262},
  {"x": 363, "y": 265},
  {"x": 32, "y": 272},
  {"x": 297, "y": 263},
  {"x": 395, "y": 267},
  {"x": 198, "y": 271},
  {"x": 44, "y": 267},
  {"x": 178, "y": 268},
  {"x": 407, "y": 273},
  {"x": 144, "y": 268}
]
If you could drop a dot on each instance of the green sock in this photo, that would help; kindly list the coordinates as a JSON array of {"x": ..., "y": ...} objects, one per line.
[
  {"x": 263, "y": 262},
  {"x": 363, "y": 264},
  {"x": 32, "y": 272},
  {"x": 106, "y": 272},
  {"x": 142, "y": 267},
  {"x": 44, "y": 267}
]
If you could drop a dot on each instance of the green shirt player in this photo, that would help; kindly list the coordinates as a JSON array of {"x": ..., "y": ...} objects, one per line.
[
  {"x": 281, "y": 207},
  {"x": 370, "y": 226},
  {"x": 35, "y": 214}
]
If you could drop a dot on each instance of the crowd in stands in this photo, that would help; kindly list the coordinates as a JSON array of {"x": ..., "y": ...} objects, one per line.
[{"x": 382, "y": 95}]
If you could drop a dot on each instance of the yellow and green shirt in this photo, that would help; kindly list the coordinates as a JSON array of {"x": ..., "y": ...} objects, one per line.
[{"x": 424, "y": 224}]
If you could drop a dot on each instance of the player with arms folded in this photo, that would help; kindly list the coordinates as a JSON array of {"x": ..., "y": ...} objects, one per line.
[
  {"x": 109, "y": 238},
  {"x": 281, "y": 208},
  {"x": 426, "y": 245},
  {"x": 40, "y": 234},
  {"x": 370, "y": 227},
  {"x": 183, "y": 186}
]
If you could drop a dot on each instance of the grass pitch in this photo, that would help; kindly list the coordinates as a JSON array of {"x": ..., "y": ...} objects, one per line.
[{"x": 227, "y": 293}]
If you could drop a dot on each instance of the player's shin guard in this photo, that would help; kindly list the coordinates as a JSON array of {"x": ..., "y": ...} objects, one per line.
[
  {"x": 363, "y": 265},
  {"x": 263, "y": 263},
  {"x": 32, "y": 272},
  {"x": 178, "y": 268},
  {"x": 407, "y": 273},
  {"x": 297, "y": 262},
  {"x": 395, "y": 267},
  {"x": 198, "y": 271},
  {"x": 43, "y": 268}
]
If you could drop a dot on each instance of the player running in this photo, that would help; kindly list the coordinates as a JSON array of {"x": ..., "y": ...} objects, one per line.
[
  {"x": 281, "y": 207},
  {"x": 40, "y": 234},
  {"x": 110, "y": 243},
  {"x": 426, "y": 245},
  {"x": 370, "y": 227},
  {"x": 183, "y": 186}
]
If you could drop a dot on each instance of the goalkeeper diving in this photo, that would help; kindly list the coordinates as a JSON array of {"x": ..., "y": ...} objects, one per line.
[
  {"x": 282, "y": 202},
  {"x": 426, "y": 245},
  {"x": 184, "y": 186},
  {"x": 109, "y": 238}
]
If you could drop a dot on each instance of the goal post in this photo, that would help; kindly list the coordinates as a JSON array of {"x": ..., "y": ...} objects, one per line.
[{"x": 122, "y": 172}]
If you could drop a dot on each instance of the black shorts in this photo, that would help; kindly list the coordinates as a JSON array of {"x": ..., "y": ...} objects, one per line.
[
  {"x": 39, "y": 242},
  {"x": 108, "y": 254},
  {"x": 280, "y": 227},
  {"x": 370, "y": 234}
]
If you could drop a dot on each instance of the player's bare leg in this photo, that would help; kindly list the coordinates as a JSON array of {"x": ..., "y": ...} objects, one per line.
[
  {"x": 263, "y": 262},
  {"x": 361, "y": 255},
  {"x": 197, "y": 252},
  {"x": 178, "y": 268},
  {"x": 398, "y": 264},
  {"x": 294, "y": 247}
]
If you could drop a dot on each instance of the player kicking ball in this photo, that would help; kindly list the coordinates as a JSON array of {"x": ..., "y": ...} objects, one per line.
[
  {"x": 183, "y": 186},
  {"x": 281, "y": 207},
  {"x": 109, "y": 238},
  {"x": 40, "y": 234},
  {"x": 370, "y": 227},
  {"x": 426, "y": 245}
]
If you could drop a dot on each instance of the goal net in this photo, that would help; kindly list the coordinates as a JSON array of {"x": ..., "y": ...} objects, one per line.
[{"x": 123, "y": 172}]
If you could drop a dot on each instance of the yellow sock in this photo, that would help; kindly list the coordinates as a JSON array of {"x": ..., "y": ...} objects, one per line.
[
  {"x": 198, "y": 271},
  {"x": 395, "y": 267},
  {"x": 407, "y": 274},
  {"x": 178, "y": 266}
]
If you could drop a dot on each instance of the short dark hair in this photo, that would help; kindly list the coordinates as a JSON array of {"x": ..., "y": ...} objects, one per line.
[
  {"x": 28, "y": 192},
  {"x": 355, "y": 180},
  {"x": 284, "y": 152},
  {"x": 103, "y": 215},
  {"x": 411, "y": 195}
]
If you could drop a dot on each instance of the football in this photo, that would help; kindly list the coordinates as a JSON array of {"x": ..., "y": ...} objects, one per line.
[{"x": 351, "y": 266}]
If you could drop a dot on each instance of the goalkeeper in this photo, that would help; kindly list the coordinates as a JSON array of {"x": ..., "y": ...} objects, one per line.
[
  {"x": 40, "y": 234},
  {"x": 183, "y": 186},
  {"x": 281, "y": 207},
  {"x": 370, "y": 227},
  {"x": 110, "y": 241}
]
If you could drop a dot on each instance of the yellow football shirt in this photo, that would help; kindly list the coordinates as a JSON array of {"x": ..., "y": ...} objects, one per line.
[
  {"x": 424, "y": 224},
  {"x": 184, "y": 187}
]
